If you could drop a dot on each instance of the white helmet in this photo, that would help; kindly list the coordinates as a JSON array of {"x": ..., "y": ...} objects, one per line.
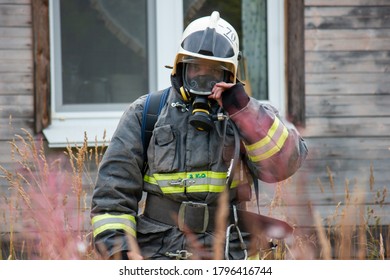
[{"x": 209, "y": 38}]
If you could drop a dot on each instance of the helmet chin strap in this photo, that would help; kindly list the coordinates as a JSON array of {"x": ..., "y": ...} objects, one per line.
[
  {"x": 185, "y": 94},
  {"x": 178, "y": 85}
]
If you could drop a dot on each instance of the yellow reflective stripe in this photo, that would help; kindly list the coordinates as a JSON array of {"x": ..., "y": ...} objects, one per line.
[
  {"x": 196, "y": 189},
  {"x": 190, "y": 175},
  {"x": 276, "y": 148},
  {"x": 150, "y": 180},
  {"x": 109, "y": 216},
  {"x": 107, "y": 221},
  {"x": 172, "y": 190},
  {"x": 206, "y": 188},
  {"x": 114, "y": 226},
  {"x": 267, "y": 138},
  {"x": 193, "y": 182}
]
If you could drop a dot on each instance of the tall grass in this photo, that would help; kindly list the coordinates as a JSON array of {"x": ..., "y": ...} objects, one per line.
[
  {"x": 44, "y": 213},
  {"x": 354, "y": 230}
]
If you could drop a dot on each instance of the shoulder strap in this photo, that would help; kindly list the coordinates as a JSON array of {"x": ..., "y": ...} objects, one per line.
[{"x": 154, "y": 103}]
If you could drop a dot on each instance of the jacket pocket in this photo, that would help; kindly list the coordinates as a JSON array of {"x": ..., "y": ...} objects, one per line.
[{"x": 162, "y": 154}]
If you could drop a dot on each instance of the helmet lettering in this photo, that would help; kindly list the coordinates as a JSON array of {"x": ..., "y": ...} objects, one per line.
[{"x": 230, "y": 35}]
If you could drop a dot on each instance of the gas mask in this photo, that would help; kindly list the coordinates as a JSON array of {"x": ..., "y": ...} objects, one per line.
[
  {"x": 211, "y": 42},
  {"x": 199, "y": 78}
]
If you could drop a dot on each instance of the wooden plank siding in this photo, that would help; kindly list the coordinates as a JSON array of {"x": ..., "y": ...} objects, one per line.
[
  {"x": 14, "y": 14},
  {"x": 16, "y": 69},
  {"x": 347, "y": 89},
  {"x": 16, "y": 88}
]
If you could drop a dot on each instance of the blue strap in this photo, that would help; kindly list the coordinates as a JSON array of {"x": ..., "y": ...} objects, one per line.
[{"x": 154, "y": 103}]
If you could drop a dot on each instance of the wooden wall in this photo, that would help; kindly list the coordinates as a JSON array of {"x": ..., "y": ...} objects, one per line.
[
  {"x": 16, "y": 68},
  {"x": 347, "y": 65}
]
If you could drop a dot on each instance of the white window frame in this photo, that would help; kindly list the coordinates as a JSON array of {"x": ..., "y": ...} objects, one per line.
[
  {"x": 276, "y": 55},
  {"x": 165, "y": 23}
]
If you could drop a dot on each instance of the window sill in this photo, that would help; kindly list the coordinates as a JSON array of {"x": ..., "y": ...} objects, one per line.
[{"x": 71, "y": 132}]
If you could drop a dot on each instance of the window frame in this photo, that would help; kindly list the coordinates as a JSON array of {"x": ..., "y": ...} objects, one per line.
[{"x": 276, "y": 55}]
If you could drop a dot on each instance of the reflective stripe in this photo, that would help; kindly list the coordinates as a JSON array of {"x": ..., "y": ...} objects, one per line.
[
  {"x": 190, "y": 182},
  {"x": 104, "y": 222},
  {"x": 150, "y": 180},
  {"x": 193, "y": 189},
  {"x": 270, "y": 144}
]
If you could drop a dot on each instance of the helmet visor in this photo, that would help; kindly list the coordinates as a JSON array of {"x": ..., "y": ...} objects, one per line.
[
  {"x": 208, "y": 42},
  {"x": 200, "y": 75}
]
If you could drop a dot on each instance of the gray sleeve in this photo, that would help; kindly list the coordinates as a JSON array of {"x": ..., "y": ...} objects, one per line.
[{"x": 119, "y": 183}]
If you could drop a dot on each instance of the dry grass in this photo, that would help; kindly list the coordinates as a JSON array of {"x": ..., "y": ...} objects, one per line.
[
  {"x": 45, "y": 212},
  {"x": 354, "y": 230}
]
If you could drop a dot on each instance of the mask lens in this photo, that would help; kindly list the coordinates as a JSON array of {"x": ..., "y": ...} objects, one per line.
[{"x": 201, "y": 78}]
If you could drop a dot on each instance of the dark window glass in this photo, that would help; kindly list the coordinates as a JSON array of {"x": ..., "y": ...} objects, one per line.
[{"x": 103, "y": 50}]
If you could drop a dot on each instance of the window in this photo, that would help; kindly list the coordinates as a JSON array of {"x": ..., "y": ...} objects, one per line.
[
  {"x": 106, "y": 53},
  {"x": 103, "y": 56},
  {"x": 100, "y": 54}
]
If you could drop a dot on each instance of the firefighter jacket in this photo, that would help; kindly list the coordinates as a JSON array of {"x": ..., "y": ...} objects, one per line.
[{"x": 185, "y": 164}]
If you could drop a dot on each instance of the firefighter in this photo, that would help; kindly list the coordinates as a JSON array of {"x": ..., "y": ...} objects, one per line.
[{"x": 210, "y": 137}]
